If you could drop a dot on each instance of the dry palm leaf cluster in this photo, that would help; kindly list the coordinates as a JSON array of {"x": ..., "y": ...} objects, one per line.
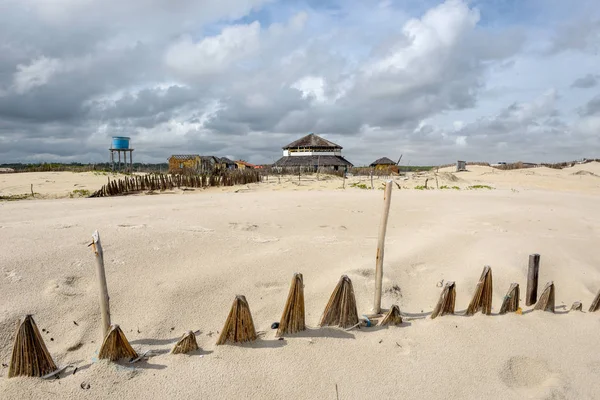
[
  {"x": 482, "y": 299},
  {"x": 392, "y": 317},
  {"x": 511, "y": 300},
  {"x": 116, "y": 346},
  {"x": 341, "y": 308},
  {"x": 186, "y": 344},
  {"x": 292, "y": 319},
  {"x": 546, "y": 301},
  {"x": 239, "y": 326},
  {"x": 446, "y": 302},
  {"x": 30, "y": 357}
]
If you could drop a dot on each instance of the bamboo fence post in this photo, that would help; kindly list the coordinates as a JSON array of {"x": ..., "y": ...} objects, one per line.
[
  {"x": 532, "y": 279},
  {"x": 387, "y": 199},
  {"x": 104, "y": 299}
]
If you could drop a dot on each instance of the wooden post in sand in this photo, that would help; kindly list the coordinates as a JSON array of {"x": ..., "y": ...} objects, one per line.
[
  {"x": 532, "y": 279},
  {"x": 104, "y": 299},
  {"x": 387, "y": 198}
]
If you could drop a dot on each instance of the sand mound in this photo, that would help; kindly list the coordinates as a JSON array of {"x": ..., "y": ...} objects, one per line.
[{"x": 584, "y": 172}]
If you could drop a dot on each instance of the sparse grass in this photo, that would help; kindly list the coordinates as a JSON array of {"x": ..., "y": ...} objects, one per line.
[
  {"x": 13, "y": 197},
  {"x": 80, "y": 193},
  {"x": 480, "y": 187},
  {"x": 359, "y": 185},
  {"x": 449, "y": 187}
]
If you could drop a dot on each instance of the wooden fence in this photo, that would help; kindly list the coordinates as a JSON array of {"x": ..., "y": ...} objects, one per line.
[{"x": 138, "y": 183}]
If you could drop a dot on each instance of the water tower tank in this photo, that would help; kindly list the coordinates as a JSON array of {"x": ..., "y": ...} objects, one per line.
[{"x": 120, "y": 142}]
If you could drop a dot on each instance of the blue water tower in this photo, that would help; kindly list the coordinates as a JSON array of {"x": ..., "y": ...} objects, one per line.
[{"x": 120, "y": 144}]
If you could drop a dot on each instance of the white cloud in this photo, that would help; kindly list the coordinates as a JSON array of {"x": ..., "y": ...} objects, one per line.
[
  {"x": 213, "y": 54},
  {"x": 37, "y": 73}
]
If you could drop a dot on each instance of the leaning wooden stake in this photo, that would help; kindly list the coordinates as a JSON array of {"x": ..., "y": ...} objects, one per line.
[
  {"x": 595, "y": 306},
  {"x": 186, "y": 344},
  {"x": 546, "y": 301},
  {"x": 482, "y": 299},
  {"x": 101, "y": 275},
  {"x": 239, "y": 326},
  {"x": 341, "y": 308},
  {"x": 532, "y": 279},
  {"x": 446, "y": 302},
  {"x": 511, "y": 300},
  {"x": 30, "y": 357},
  {"x": 387, "y": 198},
  {"x": 116, "y": 346},
  {"x": 292, "y": 319},
  {"x": 393, "y": 317}
]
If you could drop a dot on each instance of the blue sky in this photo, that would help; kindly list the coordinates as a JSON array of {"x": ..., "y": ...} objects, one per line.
[{"x": 439, "y": 80}]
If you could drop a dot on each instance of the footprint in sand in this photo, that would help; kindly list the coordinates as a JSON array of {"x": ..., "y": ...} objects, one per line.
[
  {"x": 270, "y": 285},
  {"x": 364, "y": 272},
  {"x": 68, "y": 286},
  {"x": 131, "y": 226},
  {"x": 259, "y": 239},
  {"x": 243, "y": 227},
  {"x": 522, "y": 372},
  {"x": 200, "y": 229},
  {"x": 12, "y": 276}
]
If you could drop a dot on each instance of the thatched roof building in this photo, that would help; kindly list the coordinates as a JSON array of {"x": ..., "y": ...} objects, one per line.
[
  {"x": 313, "y": 152},
  {"x": 382, "y": 161}
]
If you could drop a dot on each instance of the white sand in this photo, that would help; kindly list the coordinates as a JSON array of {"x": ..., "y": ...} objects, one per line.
[{"x": 175, "y": 262}]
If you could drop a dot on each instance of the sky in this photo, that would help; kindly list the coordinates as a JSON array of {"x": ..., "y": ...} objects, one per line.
[{"x": 434, "y": 81}]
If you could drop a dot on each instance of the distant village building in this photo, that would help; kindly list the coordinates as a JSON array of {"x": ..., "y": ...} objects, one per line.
[
  {"x": 197, "y": 164},
  {"x": 385, "y": 164},
  {"x": 312, "y": 152},
  {"x": 241, "y": 164}
]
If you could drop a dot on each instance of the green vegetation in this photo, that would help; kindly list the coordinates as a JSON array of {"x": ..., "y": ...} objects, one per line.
[
  {"x": 359, "y": 185},
  {"x": 449, "y": 187},
  {"x": 422, "y": 187},
  {"x": 80, "y": 193},
  {"x": 14, "y": 197},
  {"x": 480, "y": 187}
]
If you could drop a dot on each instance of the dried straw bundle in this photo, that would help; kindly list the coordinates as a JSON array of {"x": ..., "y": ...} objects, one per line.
[
  {"x": 186, "y": 344},
  {"x": 115, "y": 345},
  {"x": 446, "y": 302},
  {"x": 511, "y": 300},
  {"x": 596, "y": 303},
  {"x": 546, "y": 301},
  {"x": 577, "y": 306},
  {"x": 239, "y": 326},
  {"x": 292, "y": 319},
  {"x": 482, "y": 299},
  {"x": 30, "y": 357},
  {"x": 392, "y": 317},
  {"x": 341, "y": 308}
]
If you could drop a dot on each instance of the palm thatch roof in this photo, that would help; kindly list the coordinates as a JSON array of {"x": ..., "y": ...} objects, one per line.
[
  {"x": 227, "y": 161},
  {"x": 382, "y": 161},
  {"x": 312, "y": 140},
  {"x": 184, "y": 156},
  {"x": 312, "y": 161}
]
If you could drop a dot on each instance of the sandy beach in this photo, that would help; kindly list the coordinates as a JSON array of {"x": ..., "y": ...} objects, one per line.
[{"x": 175, "y": 262}]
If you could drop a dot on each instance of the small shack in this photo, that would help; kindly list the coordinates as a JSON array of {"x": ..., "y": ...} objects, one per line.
[
  {"x": 385, "y": 164},
  {"x": 183, "y": 163},
  {"x": 461, "y": 166},
  {"x": 226, "y": 163}
]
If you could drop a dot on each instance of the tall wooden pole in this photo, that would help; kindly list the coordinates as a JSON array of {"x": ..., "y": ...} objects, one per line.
[
  {"x": 532, "y": 279},
  {"x": 104, "y": 299},
  {"x": 380, "y": 247}
]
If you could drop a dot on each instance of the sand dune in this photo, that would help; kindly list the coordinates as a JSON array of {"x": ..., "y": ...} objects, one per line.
[{"x": 175, "y": 262}]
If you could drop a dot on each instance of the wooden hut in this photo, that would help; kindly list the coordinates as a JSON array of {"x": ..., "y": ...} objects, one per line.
[
  {"x": 226, "y": 163},
  {"x": 311, "y": 153},
  {"x": 183, "y": 163},
  {"x": 385, "y": 164}
]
